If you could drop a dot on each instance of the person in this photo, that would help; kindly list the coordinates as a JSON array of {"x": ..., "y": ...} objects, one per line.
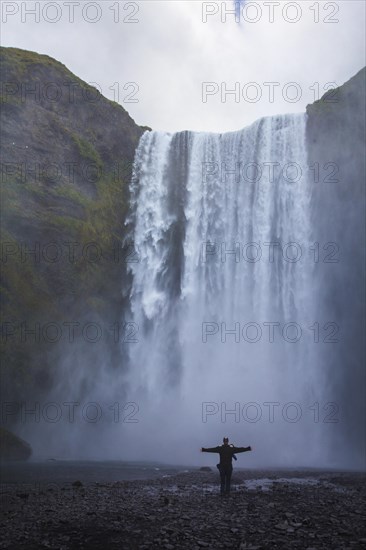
[{"x": 225, "y": 466}]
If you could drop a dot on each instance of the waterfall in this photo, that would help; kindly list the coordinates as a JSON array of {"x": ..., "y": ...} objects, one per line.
[{"x": 223, "y": 290}]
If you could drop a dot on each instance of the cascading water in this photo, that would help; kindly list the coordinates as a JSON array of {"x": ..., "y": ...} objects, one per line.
[{"x": 223, "y": 292}]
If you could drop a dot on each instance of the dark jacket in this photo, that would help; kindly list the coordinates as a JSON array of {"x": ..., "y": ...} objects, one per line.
[{"x": 226, "y": 453}]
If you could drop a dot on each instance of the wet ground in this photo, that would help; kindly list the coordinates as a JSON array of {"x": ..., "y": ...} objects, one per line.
[{"x": 180, "y": 509}]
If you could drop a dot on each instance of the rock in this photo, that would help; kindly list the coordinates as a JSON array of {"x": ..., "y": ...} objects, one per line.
[
  {"x": 77, "y": 483},
  {"x": 336, "y": 131},
  {"x": 282, "y": 526},
  {"x": 13, "y": 447},
  {"x": 23, "y": 496},
  {"x": 205, "y": 469}
]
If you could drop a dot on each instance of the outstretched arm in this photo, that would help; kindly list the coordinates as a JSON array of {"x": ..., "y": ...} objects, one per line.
[
  {"x": 241, "y": 449},
  {"x": 210, "y": 450}
]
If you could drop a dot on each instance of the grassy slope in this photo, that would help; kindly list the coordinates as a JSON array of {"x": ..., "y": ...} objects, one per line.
[{"x": 99, "y": 139}]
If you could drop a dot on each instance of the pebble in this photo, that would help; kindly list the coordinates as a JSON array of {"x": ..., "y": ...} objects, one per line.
[{"x": 176, "y": 514}]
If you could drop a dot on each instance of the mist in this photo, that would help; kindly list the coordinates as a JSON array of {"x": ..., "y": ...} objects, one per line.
[{"x": 228, "y": 331}]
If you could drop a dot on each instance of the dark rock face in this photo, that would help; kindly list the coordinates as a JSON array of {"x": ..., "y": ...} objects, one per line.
[
  {"x": 67, "y": 155},
  {"x": 336, "y": 145},
  {"x": 13, "y": 447}
]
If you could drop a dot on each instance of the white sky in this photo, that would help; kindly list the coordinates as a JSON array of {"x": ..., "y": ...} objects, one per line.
[{"x": 170, "y": 52}]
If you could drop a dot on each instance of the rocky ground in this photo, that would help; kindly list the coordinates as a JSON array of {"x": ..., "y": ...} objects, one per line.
[{"x": 266, "y": 510}]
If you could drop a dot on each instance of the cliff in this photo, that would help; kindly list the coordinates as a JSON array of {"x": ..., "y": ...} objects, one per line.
[
  {"x": 336, "y": 146},
  {"x": 67, "y": 155}
]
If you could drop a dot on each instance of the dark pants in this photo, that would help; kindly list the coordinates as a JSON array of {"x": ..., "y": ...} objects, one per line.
[{"x": 225, "y": 476}]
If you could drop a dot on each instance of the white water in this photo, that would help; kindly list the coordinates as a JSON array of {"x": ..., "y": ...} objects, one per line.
[{"x": 183, "y": 196}]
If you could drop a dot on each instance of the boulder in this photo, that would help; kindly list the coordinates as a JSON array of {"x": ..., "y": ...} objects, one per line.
[{"x": 13, "y": 447}]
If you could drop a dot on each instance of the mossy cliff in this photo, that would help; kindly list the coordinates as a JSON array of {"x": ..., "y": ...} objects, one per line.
[{"x": 67, "y": 155}]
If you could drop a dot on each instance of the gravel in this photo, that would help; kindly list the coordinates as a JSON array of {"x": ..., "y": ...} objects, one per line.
[{"x": 266, "y": 510}]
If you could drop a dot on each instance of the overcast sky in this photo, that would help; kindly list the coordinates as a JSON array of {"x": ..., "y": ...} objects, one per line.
[{"x": 170, "y": 51}]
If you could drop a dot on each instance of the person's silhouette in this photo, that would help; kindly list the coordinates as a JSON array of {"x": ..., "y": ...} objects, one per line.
[{"x": 227, "y": 453}]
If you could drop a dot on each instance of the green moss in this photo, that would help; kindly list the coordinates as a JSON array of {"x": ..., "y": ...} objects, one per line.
[
  {"x": 65, "y": 225},
  {"x": 11, "y": 100},
  {"x": 69, "y": 192},
  {"x": 86, "y": 149},
  {"x": 10, "y": 197},
  {"x": 20, "y": 61},
  {"x": 25, "y": 293}
]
